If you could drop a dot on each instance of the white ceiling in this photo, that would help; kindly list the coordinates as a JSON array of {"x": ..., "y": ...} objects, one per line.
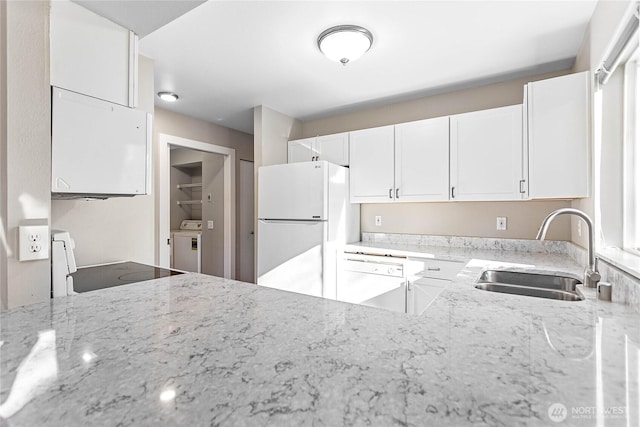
[
  {"x": 140, "y": 16},
  {"x": 224, "y": 58}
]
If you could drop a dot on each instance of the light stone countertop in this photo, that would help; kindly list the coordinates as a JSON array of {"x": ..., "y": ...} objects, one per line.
[{"x": 239, "y": 354}]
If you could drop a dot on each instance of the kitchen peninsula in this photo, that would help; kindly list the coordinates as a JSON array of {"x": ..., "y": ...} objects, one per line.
[{"x": 200, "y": 350}]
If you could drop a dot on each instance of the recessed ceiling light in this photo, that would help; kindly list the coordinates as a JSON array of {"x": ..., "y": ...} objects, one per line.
[
  {"x": 168, "y": 96},
  {"x": 345, "y": 43}
]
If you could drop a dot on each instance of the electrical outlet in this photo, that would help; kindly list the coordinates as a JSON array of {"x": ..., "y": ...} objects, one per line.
[
  {"x": 33, "y": 240},
  {"x": 579, "y": 227},
  {"x": 210, "y": 225},
  {"x": 378, "y": 221},
  {"x": 501, "y": 223}
]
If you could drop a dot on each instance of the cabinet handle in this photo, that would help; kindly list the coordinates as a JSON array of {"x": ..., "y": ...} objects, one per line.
[
  {"x": 522, "y": 185},
  {"x": 452, "y": 192},
  {"x": 433, "y": 268},
  {"x": 391, "y": 193},
  {"x": 397, "y": 193}
]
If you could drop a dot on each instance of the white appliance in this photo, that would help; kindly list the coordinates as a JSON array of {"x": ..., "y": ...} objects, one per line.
[
  {"x": 186, "y": 246},
  {"x": 304, "y": 218},
  {"x": 63, "y": 263},
  {"x": 373, "y": 280}
]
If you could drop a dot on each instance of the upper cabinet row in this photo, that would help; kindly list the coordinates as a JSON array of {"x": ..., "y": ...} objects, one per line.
[{"x": 532, "y": 151}]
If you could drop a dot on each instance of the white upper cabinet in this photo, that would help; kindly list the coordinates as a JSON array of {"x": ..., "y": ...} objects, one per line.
[
  {"x": 422, "y": 160},
  {"x": 371, "y": 154},
  {"x": 92, "y": 55},
  {"x": 98, "y": 149},
  {"x": 558, "y": 136},
  {"x": 486, "y": 154},
  {"x": 302, "y": 150},
  {"x": 408, "y": 162},
  {"x": 332, "y": 148}
]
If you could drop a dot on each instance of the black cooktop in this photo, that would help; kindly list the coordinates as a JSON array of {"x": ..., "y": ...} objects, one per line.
[{"x": 122, "y": 273}]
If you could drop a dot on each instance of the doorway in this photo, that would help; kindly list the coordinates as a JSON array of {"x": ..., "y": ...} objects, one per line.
[
  {"x": 246, "y": 255},
  {"x": 228, "y": 200}
]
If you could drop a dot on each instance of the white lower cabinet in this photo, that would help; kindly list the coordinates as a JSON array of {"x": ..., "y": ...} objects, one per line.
[
  {"x": 486, "y": 154},
  {"x": 426, "y": 279}
]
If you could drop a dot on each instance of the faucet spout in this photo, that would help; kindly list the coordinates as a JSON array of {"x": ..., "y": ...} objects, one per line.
[{"x": 591, "y": 275}]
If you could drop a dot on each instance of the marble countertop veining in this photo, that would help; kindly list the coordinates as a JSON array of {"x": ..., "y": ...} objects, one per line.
[{"x": 201, "y": 350}]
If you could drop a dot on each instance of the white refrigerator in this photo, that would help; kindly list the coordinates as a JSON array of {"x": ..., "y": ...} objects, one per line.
[{"x": 304, "y": 218}]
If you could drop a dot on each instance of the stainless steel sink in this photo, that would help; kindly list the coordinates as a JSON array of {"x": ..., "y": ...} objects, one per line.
[{"x": 530, "y": 284}]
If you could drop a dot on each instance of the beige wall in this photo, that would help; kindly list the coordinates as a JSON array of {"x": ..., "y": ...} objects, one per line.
[
  {"x": 271, "y": 131},
  {"x": 603, "y": 25},
  {"x": 26, "y": 150},
  {"x": 453, "y": 218},
  {"x": 116, "y": 229},
  {"x": 170, "y": 123},
  {"x": 470, "y": 219},
  {"x": 463, "y": 101}
]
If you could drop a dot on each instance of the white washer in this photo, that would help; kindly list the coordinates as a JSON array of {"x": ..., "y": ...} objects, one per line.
[{"x": 186, "y": 251}]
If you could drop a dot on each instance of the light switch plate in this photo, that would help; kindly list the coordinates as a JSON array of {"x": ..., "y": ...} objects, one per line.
[
  {"x": 210, "y": 225},
  {"x": 33, "y": 242},
  {"x": 378, "y": 220}
]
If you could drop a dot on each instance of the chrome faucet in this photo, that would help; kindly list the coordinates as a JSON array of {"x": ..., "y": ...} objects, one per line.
[{"x": 591, "y": 275}]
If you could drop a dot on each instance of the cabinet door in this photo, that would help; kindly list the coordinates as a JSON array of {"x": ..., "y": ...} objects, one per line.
[
  {"x": 92, "y": 55},
  {"x": 302, "y": 150},
  {"x": 422, "y": 293},
  {"x": 486, "y": 154},
  {"x": 558, "y": 117},
  {"x": 97, "y": 147},
  {"x": 334, "y": 148},
  {"x": 371, "y": 165},
  {"x": 422, "y": 160}
]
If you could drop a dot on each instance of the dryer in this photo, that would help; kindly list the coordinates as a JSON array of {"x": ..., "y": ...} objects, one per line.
[{"x": 186, "y": 246}]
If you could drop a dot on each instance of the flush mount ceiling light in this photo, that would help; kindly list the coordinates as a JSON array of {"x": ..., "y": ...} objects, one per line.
[
  {"x": 345, "y": 43},
  {"x": 168, "y": 96}
]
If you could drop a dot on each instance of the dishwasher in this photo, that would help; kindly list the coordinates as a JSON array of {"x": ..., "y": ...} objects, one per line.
[{"x": 372, "y": 280}]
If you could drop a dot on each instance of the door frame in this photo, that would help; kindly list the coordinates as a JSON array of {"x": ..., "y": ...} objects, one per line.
[
  {"x": 229, "y": 198},
  {"x": 252, "y": 199}
]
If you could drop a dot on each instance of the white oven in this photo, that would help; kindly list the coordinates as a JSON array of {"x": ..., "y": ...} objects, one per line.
[{"x": 373, "y": 280}]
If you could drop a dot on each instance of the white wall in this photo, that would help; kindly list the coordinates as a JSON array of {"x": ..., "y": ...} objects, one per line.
[
  {"x": 26, "y": 158},
  {"x": 116, "y": 229}
]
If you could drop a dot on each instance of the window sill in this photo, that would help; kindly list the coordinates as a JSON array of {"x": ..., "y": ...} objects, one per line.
[{"x": 625, "y": 261}]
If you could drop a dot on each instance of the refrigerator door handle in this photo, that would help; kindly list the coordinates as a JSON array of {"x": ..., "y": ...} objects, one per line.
[{"x": 292, "y": 221}]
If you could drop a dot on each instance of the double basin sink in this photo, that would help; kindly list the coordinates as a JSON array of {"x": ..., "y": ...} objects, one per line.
[{"x": 530, "y": 284}]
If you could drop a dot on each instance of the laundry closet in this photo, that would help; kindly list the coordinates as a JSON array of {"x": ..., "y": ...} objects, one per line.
[{"x": 196, "y": 211}]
